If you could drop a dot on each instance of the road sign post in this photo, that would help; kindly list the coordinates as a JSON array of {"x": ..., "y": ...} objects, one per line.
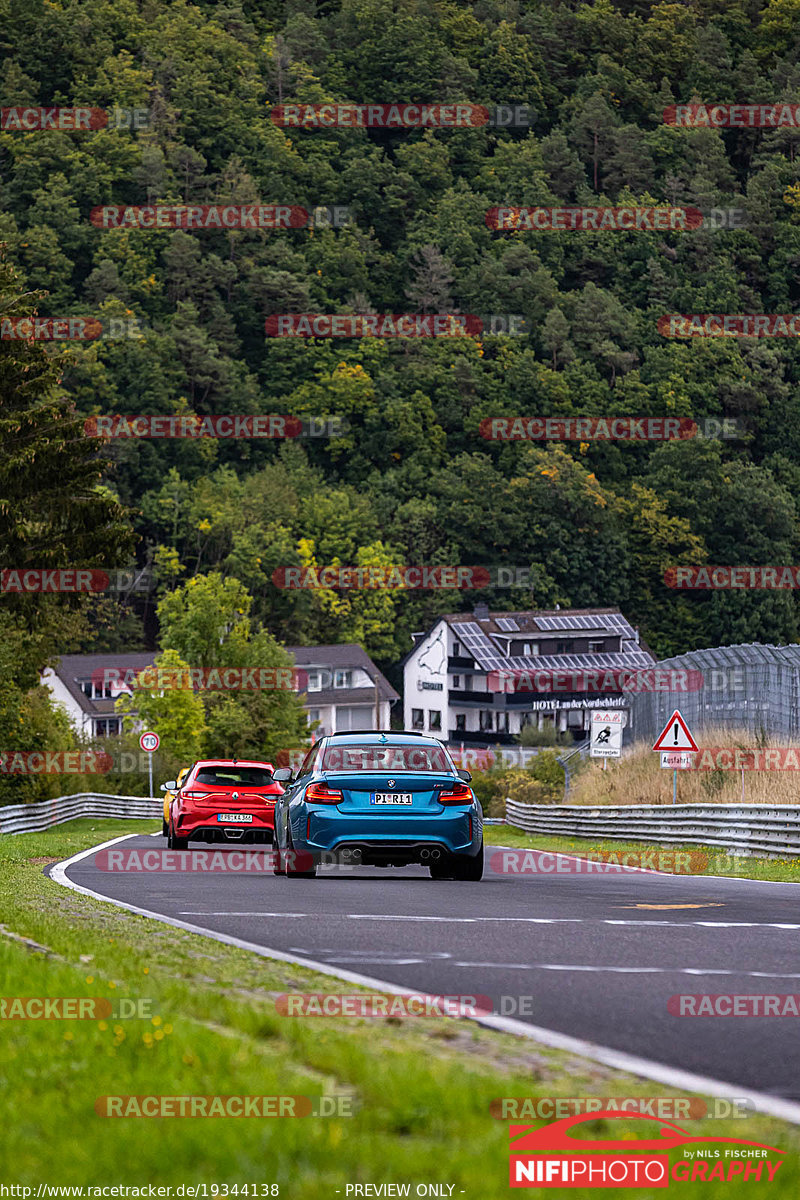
[
  {"x": 150, "y": 741},
  {"x": 677, "y": 746}
]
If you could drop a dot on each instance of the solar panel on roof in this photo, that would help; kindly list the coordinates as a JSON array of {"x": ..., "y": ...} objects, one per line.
[
  {"x": 508, "y": 624},
  {"x": 607, "y": 621}
]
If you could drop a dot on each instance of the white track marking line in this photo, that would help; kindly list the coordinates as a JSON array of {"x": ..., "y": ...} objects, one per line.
[
  {"x": 343, "y": 955},
  {"x": 258, "y": 912},
  {"x": 620, "y": 1060}
]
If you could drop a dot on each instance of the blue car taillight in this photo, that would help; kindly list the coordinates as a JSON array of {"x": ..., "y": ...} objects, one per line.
[
  {"x": 458, "y": 794},
  {"x": 320, "y": 793}
]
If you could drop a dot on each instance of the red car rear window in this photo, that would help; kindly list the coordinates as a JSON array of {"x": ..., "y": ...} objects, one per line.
[{"x": 254, "y": 777}]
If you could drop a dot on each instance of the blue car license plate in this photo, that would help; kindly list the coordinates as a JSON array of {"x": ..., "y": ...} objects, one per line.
[{"x": 391, "y": 797}]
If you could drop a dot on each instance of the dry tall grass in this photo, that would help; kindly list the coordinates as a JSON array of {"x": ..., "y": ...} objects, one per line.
[{"x": 638, "y": 778}]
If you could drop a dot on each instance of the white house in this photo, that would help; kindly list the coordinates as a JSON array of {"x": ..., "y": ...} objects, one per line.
[
  {"x": 451, "y": 674},
  {"x": 345, "y": 690},
  {"x": 80, "y": 683}
]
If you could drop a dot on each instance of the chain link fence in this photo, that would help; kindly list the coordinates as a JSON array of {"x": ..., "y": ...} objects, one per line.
[{"x": 749, "y": 687}]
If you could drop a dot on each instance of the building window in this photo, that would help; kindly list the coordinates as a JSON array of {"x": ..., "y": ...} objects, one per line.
[
  {"x": 107, "y": 728},
  {"x": 354, "y": 717},
  {"x": 343, "y": 679},
  {"x": 417, "y": 718},
  {"x": 530, "y": 648},
  {"x": 487, "y": 719},
  {"x": 595, "y": 647},
  {"x": 502, "y": 722},
  {"x": 456, "y": 681},
  {"x": 564, "y": 647},
  {"x": 95, "y": 691},
  {"x": 461, "y": 722},
  {"x": 312, "y": 715},
  {"x": 314, "y": 682},
  {"x": 434, "y": 719},
  {"x": 456, "y": 649}
]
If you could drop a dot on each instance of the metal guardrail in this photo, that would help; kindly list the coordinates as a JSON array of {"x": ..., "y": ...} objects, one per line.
[
  {"x": 29, "y": 818},
  {"x": 743, "y": 829}
]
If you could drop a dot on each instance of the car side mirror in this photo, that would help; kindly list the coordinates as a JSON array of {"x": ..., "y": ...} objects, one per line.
[
  {"x": 283, "y": 775},
  {"x": 169, "y": 787},
  {"x": 465, "y": 775}
]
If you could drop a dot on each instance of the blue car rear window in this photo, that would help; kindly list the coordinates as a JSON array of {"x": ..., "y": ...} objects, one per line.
[{"x": 426, "y": 759}]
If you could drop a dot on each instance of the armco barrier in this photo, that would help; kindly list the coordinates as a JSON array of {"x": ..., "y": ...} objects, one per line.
[
  {"x": 746, "y": 829},
  {"x": 28, "y": 818}
]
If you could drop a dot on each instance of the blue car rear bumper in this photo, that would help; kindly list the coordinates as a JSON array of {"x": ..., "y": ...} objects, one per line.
[{"x": 327, "y": 830}]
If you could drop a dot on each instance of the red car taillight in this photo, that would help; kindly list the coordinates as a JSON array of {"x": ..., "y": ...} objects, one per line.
[
  {"x": 320, "y": 793},
  {"x": 458, "y": 794},
  {"x": 195, "y": 795}
]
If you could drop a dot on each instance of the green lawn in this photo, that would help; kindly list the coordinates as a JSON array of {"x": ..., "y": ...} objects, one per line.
[
  {"x": 420, "y": 1088},
  {"x": 718, "y": 861}
]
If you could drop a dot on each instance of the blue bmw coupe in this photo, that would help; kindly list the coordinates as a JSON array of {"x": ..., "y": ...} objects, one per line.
[{"x": 379, "y": 799}]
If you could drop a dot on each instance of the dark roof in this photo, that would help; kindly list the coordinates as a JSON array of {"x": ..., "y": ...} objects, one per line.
[
  {"x": 342, "y": 655},
  {"x": 483, "y": 637},
  {"x": 82, "y": 666}
]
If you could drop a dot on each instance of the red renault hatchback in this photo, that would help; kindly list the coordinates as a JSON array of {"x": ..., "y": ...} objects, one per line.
[{"x": 224, "y": 800}]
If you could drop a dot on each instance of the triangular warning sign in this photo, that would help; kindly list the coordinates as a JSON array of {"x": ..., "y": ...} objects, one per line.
[{"x": 676, "y": 735}]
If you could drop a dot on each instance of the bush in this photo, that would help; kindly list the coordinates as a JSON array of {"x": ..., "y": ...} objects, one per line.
[
  {"x": 540, "y": 783},
  {"x": 548, "y": 735},
  {"x": 548, "y": 771}
]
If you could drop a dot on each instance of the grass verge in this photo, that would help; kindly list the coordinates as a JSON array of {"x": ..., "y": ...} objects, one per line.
[
  {"x": 421, "y": 1088},
  {"x": 712, "y": 860}
]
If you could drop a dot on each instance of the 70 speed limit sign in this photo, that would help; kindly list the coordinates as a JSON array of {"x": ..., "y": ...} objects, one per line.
[{"x": 149, "y": 741}]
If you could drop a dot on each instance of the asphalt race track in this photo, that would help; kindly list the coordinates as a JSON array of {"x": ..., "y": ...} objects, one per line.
[{"x": 594, "y": 964}]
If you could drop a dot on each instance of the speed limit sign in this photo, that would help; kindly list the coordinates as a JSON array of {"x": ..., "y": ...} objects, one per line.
[{"x": 149, "y": 741}]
